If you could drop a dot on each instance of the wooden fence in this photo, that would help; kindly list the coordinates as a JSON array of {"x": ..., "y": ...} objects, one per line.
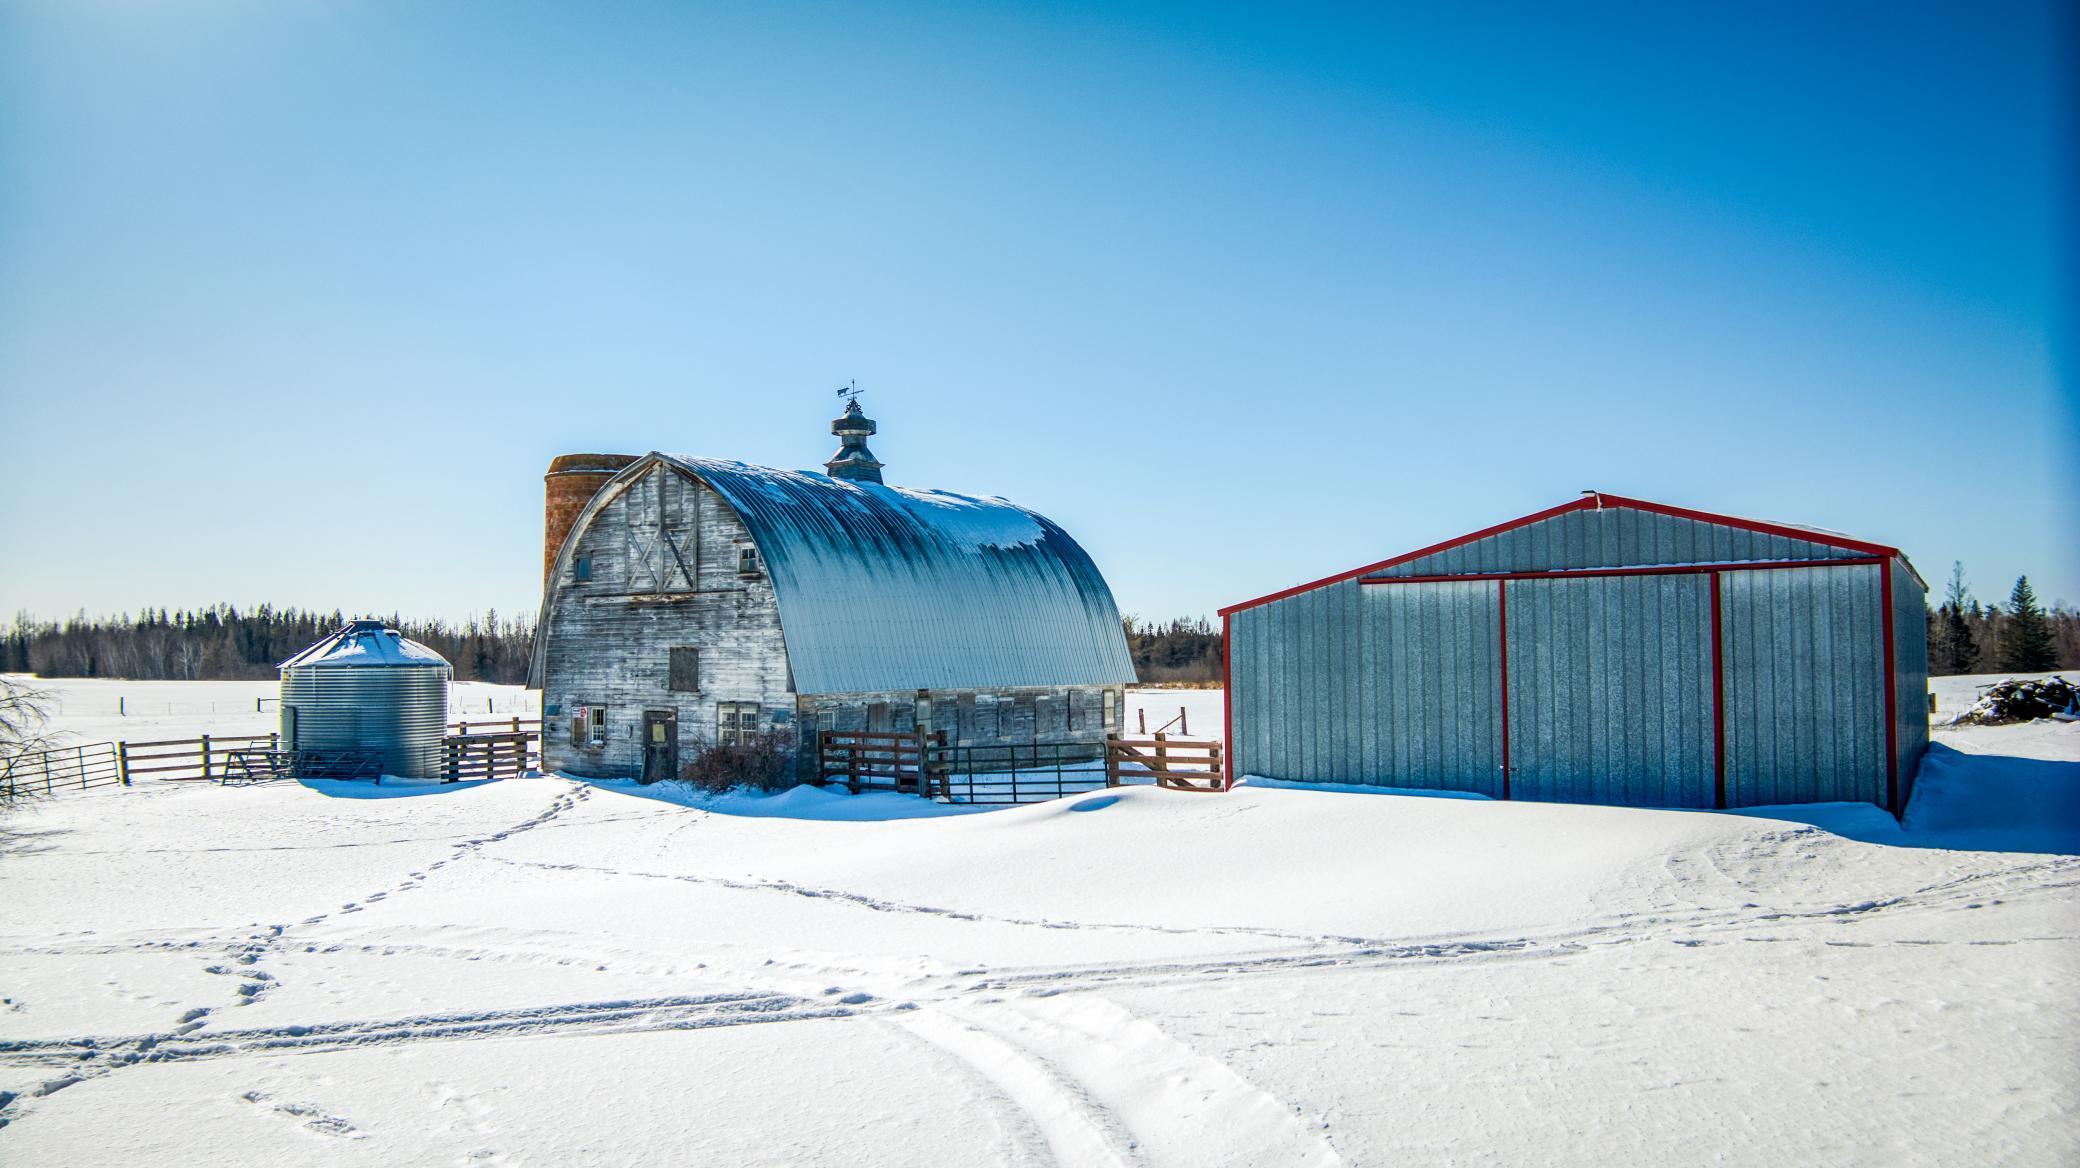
[
  {"x": 1178, "y": 764},
  {"x": 181, "y": 760},
  {"x": 868, "y": 759},
  {"x": 494, "y": 749},
  {"x": 501, "y": 755}
]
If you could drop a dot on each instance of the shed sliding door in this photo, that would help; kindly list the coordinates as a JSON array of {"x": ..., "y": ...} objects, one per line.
[
  {"x": 1431, "y": 688},
  {"x": 1610, "y": 690},
  {"x": 1805, "y": 686}
]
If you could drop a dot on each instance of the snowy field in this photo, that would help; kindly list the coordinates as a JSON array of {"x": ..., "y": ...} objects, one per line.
[
  {"x": 142, "y": 711},
  {"x": 553, "y": 973}
]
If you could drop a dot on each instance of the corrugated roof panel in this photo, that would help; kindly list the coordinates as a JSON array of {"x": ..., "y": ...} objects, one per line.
[{"x": 889, "y": 588}]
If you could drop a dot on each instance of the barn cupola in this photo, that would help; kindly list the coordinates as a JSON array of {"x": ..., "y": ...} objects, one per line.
[{"x": 853, "y": 460}]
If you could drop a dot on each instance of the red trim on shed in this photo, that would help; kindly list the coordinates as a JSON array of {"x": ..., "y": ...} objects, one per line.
[
  {"x": 1434, "y": 548},
  {"x": 1588, "y": 503},
  {"x": 1227, "y": 704}
]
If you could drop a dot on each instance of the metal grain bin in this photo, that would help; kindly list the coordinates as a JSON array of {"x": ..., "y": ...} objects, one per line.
[{"x": 366, "y": 687}]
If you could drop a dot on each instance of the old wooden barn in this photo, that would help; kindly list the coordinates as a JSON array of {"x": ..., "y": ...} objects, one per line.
[
  {"x": 692, "y": 602},
  {"x": 1607, "y": 650}
]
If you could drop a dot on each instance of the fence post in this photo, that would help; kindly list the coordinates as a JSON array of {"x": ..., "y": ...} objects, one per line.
[
  {"x": 123, "y": 762},
  {"x": 80, "y": 765},
  {"x": 205, "y": 758}
]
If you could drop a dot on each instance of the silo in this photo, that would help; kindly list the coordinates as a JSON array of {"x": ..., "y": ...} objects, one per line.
[
  {"x": 570, "y": 484},
  {"x": 366, "y": 687}
]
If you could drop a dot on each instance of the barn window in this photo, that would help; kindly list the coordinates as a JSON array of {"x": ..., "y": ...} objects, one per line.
[
  {"x": 582, "y": 570},
  {"x": 1111, "y": 709},
  {"x": 589, "y": 726},
  {"x": 685, "y": 673},
  {"x": 826, "y": 719},
  {"x": 736, "y": 723},
  {"x": 747, "y": 561}
]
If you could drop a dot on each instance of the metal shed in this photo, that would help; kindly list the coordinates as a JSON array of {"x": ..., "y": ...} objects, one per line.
[{"x": 1608, "y": 650}]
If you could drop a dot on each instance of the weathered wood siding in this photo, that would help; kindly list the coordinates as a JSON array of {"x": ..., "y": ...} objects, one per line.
[{"x": 663, "y": 558}]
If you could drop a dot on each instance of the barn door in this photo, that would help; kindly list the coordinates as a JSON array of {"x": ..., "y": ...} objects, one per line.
[
  {"x": 660, "y": 745},
  {"x": 1610, "y": 690}
]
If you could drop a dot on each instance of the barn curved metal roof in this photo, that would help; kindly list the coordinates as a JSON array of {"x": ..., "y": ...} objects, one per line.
[{"x": 892, "y": 588}]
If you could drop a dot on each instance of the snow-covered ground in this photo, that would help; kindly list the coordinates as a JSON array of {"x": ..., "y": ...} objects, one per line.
[
  {"x": 140, "y": 711},
  {"x": 554, "y": 973}
]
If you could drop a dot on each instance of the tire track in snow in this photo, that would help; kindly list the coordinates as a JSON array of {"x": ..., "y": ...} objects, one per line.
[
  {"x": 1110, "y": 1088},
  {"x": 615, "y": 1016}
]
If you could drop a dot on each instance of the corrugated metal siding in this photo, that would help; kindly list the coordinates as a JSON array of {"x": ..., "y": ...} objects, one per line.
[
  {"x": 1613, "y": 537},
  {"x": 1379, "y": 686},
  {"x": 399, "y": 710},
  {"x": 1610, "y": 690},
  {"x": 888, "y": 589},
  {"x": 1804, "y": 692},
  {"x": 1910, "y": 674}
]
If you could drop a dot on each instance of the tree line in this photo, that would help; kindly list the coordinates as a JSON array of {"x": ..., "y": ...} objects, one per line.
[
  {"x": 225, "y": 643},
  {"x": 1965, "y": 636},
  {"x": 1186, "y": 651}
]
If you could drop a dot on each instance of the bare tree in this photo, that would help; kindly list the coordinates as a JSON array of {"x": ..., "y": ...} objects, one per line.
[{"x": 24, "y": 720}]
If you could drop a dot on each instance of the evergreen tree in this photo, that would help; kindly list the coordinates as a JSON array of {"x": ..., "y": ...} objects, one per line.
[
  {"x": 1951, "y": 646},
  {"x": 2025, "y": 637}
]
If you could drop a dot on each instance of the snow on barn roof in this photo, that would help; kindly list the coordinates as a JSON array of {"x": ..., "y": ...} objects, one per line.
[
  {"x": 365, "y": 644},
  {"x": 890, "y": 588}
]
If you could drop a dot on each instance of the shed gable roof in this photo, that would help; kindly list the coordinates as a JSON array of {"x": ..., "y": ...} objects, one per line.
[
  {"x": 889, "y": 588},
  {"x": 1608, "y": 531}
]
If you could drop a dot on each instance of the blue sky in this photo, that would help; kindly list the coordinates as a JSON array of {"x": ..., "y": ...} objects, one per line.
[{"x": 298, "y": 300}]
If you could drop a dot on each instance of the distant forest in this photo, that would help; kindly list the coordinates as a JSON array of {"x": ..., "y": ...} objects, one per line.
[
  {"x": 1180, "y": 652},
  {"x": 1965, "y": 636},
  {"x": 226, "y": 642},
  {"x": 223, "y": 643}
]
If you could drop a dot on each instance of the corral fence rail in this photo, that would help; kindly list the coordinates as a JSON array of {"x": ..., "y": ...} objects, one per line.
[
  {"x": 500, "y": 755},
  {"x": 182, "y": 760},
  {"x": 1025, "y": 772},
  {"x": 492, "y": 748},
  {"x": 69, "y": 768},
  {"x": 1180, "y": 764},
  {"x": 885, "y": 760},
  {"x": 915, "y": 764}
]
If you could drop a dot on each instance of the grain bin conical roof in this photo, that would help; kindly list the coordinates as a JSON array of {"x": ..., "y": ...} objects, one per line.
[{"x": 364, "y": 644}]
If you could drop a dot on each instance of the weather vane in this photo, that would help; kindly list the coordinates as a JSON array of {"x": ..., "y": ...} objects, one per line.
[{"x": 851, "y": 391}]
